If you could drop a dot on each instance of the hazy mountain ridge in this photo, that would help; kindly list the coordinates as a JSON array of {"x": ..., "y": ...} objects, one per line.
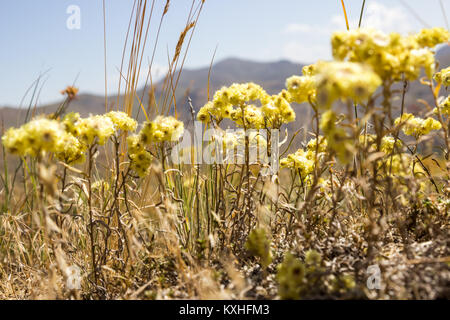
[{"x": 193, "y": 82}]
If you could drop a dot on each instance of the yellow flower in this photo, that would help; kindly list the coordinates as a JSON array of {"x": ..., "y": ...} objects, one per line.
[
  {"x": 345, "y": 80},
  {"x": 390, "y": 56},
  {"x": 251, "y": 115},
  {"x": 387, "y": 144},
  {"x": 444, "y": 106},
  {"x": 432, "y": 37},
  {"x": 301, "y": 88},
  {"x": 311, "y": 69},
  {"x": 221, "y": 106},
  {"x": 337, "y": 139},
  {"x": 69, "y": 122},
  {"x": 414, "y": 126},
  {"x": 420, "y": 58},
  {"x": 140, "y": 162},
  {"x": 14, "y": 140},
  {"x": 299, "y": 161},
  {"x": 95, "y": 129},
  {"x": 204, "y": 114},
  {"x": 312, "y": 145},
  {"x": 38, "y": 135},
  {"x": 122, "y": 120},
  {"x": 161, "y": 129},
  {"x": 135, "y": 144},
  {"x": 443, "y": 77},
  {"x": 71, "y": 151},
  {"x": 402, "y": 164},
  {"x": 277, "y": 109}
]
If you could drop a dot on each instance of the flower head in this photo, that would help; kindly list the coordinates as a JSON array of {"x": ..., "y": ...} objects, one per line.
[
  {"x": 432, "y": 37},
  {"x": 301, "y": 88},
  {"x": 71, "y": 151},
  {"x": 37, "y": 136},
  {"x": 443, "y": 77},
  {"x": 345, "y": 80},
  {"x": 414, "y": 126},
  {"x": 95, "y": 129},
  {"x": 390, "y": 56},
  {"x": 122, "y": 120},
  {"x": 161, "y": 129}
]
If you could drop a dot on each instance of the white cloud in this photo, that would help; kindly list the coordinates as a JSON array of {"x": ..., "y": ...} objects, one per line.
[
  {"x": 387, "y": 19},
  {"x": 296, "y": 28},
  {"x": 305, "y": 52}
]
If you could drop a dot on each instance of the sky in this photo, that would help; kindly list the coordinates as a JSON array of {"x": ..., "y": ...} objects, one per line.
[{"x": 36, "y": 39}]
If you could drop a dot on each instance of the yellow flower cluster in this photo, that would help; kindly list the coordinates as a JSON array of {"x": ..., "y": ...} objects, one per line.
[
  {"x": 94, "y": 129},
  {"x": 311, "y": 70},
  {"x": 402, "y": 164},
  {"x": 420, "y": 58},
  {"x": 391, "y": 55},
  {"x": 301, "y": 160},
  {"x": 140, "y": 162},
  {"x": 69, "y": 138},
  {"x": 134, "y": 144},
  {"x": 98, "y": 128},
  {"x": 387, "y": 143},
  {"x": 238, "y": 94},
  {"x": 71, "y": 151},
  {"x": 321, "y": 148},
  {"x": 337, "y": 138},
  {"x": 224, "y": 99},
  {"x": 44, "y": 135},
  {"x": 345, "y": 80},
  {"x": 33, "y": 138},
  {"x": 122, "y": 121},
  {"x": 417, "y": 127},
  {"x": 205, "y": 112},
  {"x": 444, "y": 107},
  {"x": 274, "y": 111},
  {"x": 443, "y": 77},
  {"x": 432, "y": 37},
  {"x": 277, "y": 109},
  {"x": 140, "y": 158},
  {"x": 69, "y": 121},
  {"x": 161, "y": 129},
  {"x": 250, "y": 115},
  {"x": 304, "y": 161},
  {"x": 301, "y": 88}
]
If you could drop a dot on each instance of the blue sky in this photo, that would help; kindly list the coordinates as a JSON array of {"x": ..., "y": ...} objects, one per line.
[{"x": 35, "y": 38}]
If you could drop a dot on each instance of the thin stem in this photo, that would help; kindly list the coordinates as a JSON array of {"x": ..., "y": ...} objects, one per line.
[{"x": 361, "y": 14}]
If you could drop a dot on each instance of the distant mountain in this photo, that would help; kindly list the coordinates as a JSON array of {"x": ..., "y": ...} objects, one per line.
[{"x": 193, "y": 83}]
